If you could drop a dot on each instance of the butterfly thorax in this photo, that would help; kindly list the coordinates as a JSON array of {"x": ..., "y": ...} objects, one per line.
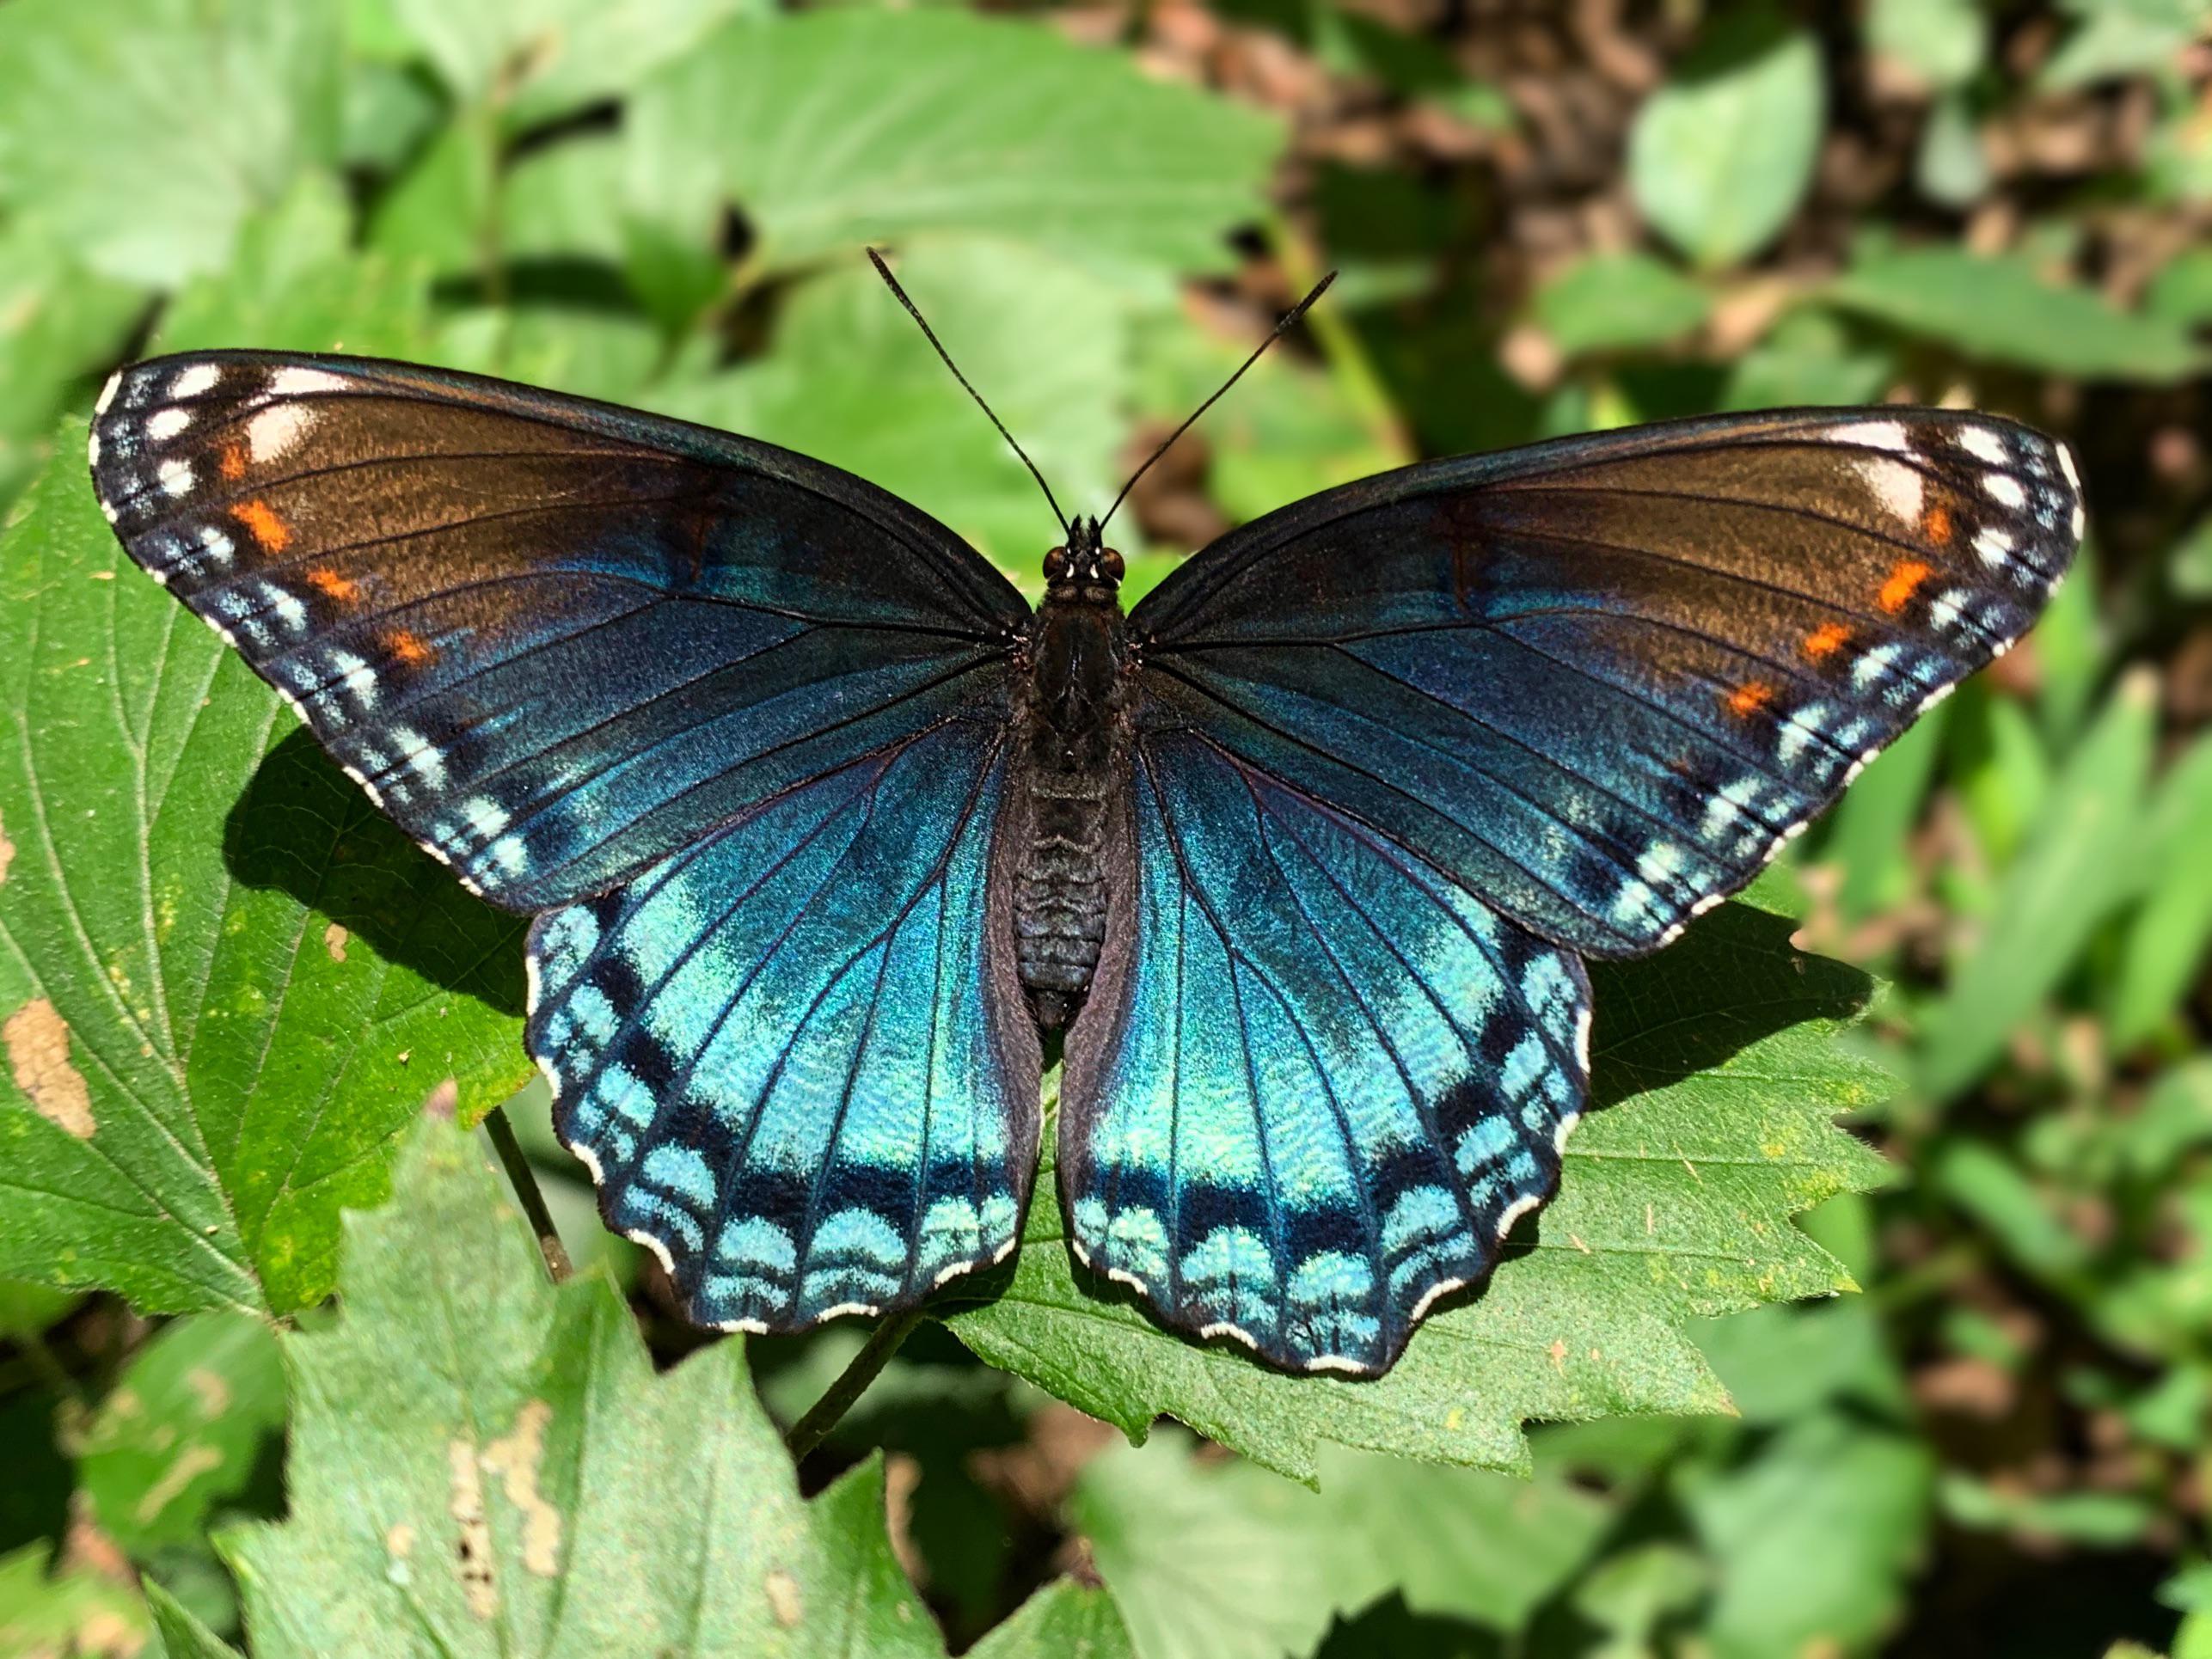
[{"x": 1074, "y": 740}]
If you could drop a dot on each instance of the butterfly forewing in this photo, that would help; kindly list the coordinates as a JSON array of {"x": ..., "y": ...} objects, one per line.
[
  {"x": 1601, "y": 681},
  {"x": 555, "y": 640}
]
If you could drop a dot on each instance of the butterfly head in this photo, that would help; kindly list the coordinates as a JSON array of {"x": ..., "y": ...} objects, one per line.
[{"x": 1085, "y": 572}]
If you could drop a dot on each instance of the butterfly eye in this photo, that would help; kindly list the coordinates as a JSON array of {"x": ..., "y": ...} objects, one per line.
[
  {"x": 1112, "y": 561},
  {"x": 1056, "y": 564}
]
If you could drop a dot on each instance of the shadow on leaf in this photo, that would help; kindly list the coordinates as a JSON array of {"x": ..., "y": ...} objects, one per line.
[
  {"x": 303, "y": 827},
  {"x": 1732, "y": 980}
]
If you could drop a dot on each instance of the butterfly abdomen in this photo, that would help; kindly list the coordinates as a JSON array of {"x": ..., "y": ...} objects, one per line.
[{"x": 1075, "y": 741}]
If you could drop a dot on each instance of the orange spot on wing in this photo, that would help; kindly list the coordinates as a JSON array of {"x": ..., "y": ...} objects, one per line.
[
  {"x": 1826, "y": 640},
  {"x": 409, "y": 649},
  {"x": 1750, "y": 697},
  {"x": 1905, "y": 581},
  {"x": 262, "y": 524},
  {"x": 1935, "y": 524},
  {"x": 233, "y": 461},
  {"x": 333, "y": 585}
]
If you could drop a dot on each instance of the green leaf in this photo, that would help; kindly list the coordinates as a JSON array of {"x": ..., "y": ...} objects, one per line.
[
  {"x": 1866, "y": 840},
  {"x": 2121, "y": 36},
  {"x": 1720, "y": 156},
  {"x": 74, "y": 1612},
  {"x": 226, "y": 982},
  {"x": 2190, "y": 565},
  {"x": 182, "y": 1431},
  {"x": 61, "y": 323},
  {"x": 2078, "y": 864},
  {"x": 1217, "y": 1559},
  {"x": 1289, "y": 430},
  {"x": 141, "y": 134},
  {"x": 2182, "y": 291},
  {"x": 2168, "y": 938},
  {"x": 536, "y": 59},
  {"x": 183, "y": 1635},
  {"x": 1952, "y": 165},
  {"x": 2000, "y": 306},
  {"x": 1813, "y": 1538},
  {"x": 1943, "y": 42},
  {"x": 492, "y": 1464},
  {"x": 296, "y": 284},
  {"x": 1063, "y": 1621},
  {"x": 1806, "y": 357},
  {"x": 836, "y": 127},
  {"x": 1613, "y": 301},
  {"x": 1716, "y": 1065},
  {"x": 2106, "y": 1520},
  {"x": 25, "y": 1310},
  {"x": 853, "y": 382}
]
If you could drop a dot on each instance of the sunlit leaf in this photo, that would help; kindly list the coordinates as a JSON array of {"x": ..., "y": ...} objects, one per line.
[
  {"x": 2000, "y": 306},
  {"x": 2077, "y": 866},
  {"x": 838, "y": 126},
  {"x": 1613, "y": 301},
  {"x": 1719, "y": 156},
  {"x": 1219, "y": 1559},
  {"x": 182, "y": 1430},
  {"x": 493, "y": 1463},
  {"x": 854, "y": 382},
  {"x": 141, "y": 134},
  {"x": 226, "y": 982},
  {"x": 535, "y": 59}
]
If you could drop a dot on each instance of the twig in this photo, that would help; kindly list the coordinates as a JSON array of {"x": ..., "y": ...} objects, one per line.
[
  {"x": 524, "y": 1179},
  {"x": 812, "y": 1430}
]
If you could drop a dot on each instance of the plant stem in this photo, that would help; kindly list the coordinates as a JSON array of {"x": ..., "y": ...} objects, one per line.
[
  {"x": 852, "y": 1382},
  {"x": 524, "y": 1179}
]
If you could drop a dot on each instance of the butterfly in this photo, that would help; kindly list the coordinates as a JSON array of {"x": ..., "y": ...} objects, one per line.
[{"x": 826, "y": 831}]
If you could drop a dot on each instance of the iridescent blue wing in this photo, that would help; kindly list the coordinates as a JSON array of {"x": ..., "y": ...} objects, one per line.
[
  {"x": 1601, "y": 681},
  {"x": 795, "y": 1053},
  {"x": 1409, "y": 749},
  {"x": 730, "y": 716},
  {"x": 1316, "y": 1081},
  {"x": 556, "y": 641}
]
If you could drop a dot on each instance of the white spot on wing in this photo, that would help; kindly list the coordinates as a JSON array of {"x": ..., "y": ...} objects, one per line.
[
  {"x": 1879, "y": 435},
  {"x": 2066, "y": 465},
  {"x": 275, "y": 432},
  {"x": 1983, "y": 444},
  {"x": 166, "y": 424},
  {"x": 1898, "y": 488},
  {"x": 291, "y": 383},
  {"x": 2005, "y": 488},
  {"x": 108, "y": 392},
  {"x": 200, "y": 378},
  {"x": 175, "y": 477}
]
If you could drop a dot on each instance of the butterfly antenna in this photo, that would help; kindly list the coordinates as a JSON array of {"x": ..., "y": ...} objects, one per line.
[
  {"x": 1288, "y": 321},
  {"x": 930, "y": 334}
]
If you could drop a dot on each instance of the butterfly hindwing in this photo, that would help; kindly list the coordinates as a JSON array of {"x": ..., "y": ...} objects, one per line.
[
  {"x": 555, "y": 639},
  {"x": 1601, "y": 681},
  {"x": 794, "y": 1054},
  {"x": 1317, "y": 1081}
]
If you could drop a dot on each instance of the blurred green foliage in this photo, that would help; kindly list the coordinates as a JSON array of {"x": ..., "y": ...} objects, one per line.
[{"x": 1545, "y": 224}]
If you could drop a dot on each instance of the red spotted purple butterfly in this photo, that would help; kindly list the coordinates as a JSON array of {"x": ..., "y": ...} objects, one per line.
[{"x": 825, "y": 828}]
